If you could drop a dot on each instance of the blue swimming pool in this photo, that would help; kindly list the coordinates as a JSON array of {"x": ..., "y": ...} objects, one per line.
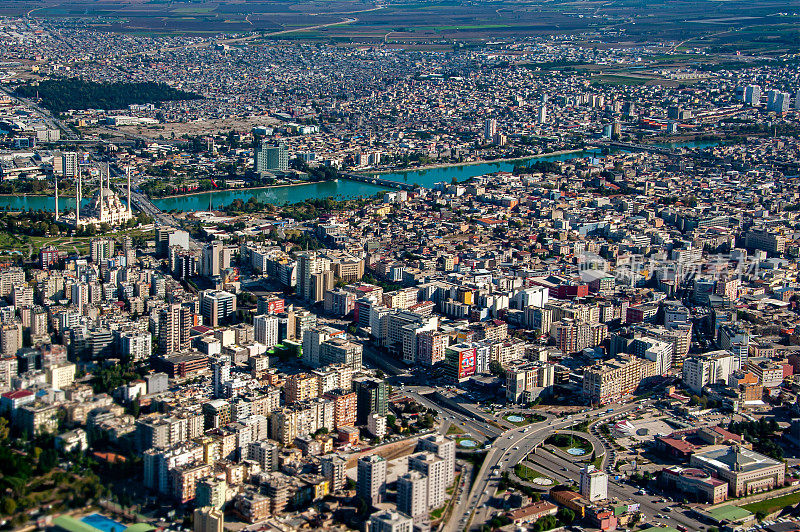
[{"x": 103, "y": 523}]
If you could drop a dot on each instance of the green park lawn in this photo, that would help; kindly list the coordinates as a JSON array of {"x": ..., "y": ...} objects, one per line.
[{"x": 767, "y": 506}]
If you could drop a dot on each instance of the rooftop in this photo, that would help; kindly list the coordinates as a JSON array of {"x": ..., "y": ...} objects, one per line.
[{"x": 735, "y": 458}]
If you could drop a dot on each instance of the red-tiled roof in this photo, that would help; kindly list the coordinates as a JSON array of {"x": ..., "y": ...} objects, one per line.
[
  {"x": 680, "y": 445},
  {"x": 18, "y": 394}
]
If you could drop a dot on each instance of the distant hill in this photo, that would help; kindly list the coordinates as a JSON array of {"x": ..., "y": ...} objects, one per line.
[{"x": 62, "y": 94}]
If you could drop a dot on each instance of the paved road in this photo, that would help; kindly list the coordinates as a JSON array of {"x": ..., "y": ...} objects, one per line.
[
  {"x": 477, "y": 429},
  {"x": 515, "y": 445},
  {"x": 510, "y": 449},
  {"x": 51, "y": 121},
  {"x": 559, "y": 469},
  {"x": 142, "y": 203},
  {"x": 461, "y": 498}
]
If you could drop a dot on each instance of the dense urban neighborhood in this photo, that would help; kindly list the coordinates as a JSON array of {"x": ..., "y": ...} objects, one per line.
[{"x": 251, "y": 282}]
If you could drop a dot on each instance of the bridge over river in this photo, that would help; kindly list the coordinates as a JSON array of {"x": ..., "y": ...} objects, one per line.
[{"x": 377, "y": 180}]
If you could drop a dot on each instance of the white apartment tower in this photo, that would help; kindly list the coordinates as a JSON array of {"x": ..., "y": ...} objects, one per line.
[
  {"x": 371, "y": 483},
  {"x": 435, "y": 469},
  {"x": 594, "y": 484},
  {"x": 265, "y": 330},
  {"x": 412, "y": 494},
  {"x": 444, "y": 448}
]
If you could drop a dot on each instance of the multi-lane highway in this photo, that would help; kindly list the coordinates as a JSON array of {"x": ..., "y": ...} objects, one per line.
[
  {"x": 479, "y": 430},
  {"x": 510, "y": 449},
  {"x": 556, "y": 466},
  {"x": 142, "y": 203},
  {"x": 51, "y": 121},
  {"x": 524, "y": 443}
]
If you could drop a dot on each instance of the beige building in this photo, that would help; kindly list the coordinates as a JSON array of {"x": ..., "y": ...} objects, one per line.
[
  {"x": 61, "y": 376},
  {"x": 208, "y": 519},
  {"x": 301, "y": 387},
  {"x": 612, "y": 380},
  {"x": 38, "y": 418},
  {"x": 10, "y": 338},
  {"x": 184, "y": 480},
  {"x": 744, "y": 470}
]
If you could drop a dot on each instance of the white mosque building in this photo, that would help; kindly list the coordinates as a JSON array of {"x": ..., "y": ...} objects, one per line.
[{"x": 106, "y": 207}]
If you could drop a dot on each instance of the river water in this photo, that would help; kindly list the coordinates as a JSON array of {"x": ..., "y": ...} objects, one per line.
[{"x": 343, "y": 189}]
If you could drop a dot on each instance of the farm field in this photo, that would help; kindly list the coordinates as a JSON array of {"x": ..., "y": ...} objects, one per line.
[{"x": 723, "y": 27}]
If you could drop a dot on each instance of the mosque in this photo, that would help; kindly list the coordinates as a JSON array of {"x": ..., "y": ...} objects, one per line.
[{"x": 105, "y": 208}]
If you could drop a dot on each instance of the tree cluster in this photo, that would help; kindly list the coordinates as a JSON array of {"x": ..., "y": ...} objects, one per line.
[
  {"x": 761, "y": 434},
  {"x": 63, "y": 94}
]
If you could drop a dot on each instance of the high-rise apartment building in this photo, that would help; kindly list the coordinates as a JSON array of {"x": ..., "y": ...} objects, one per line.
[
  {"x": 489, "y": 128},
  {"x": 311, "y": 278},
  {"x": 371, "y": 483},
  {"x": 766, "y": 240},
  {"x": 300, "y": 387},
  {"x": 65, "y": 164},
  {"x": 313, "y": 339},
  {"x": 388, "y": 521},
  {"x": 444, "y": 448},
  {"x": 752, "y": 95},
  {"x": 340, "y": 351},
  {"x": 101, "y": 249},
  {"x": 208, "y": 519},
  {"x": 174, "y": 324},
  {"x": 217, "y": 307},
  {"x": 736, "y": 340},
  {"x": 372, "y": 398},
  {"x": 220, "y": 374},
  {"x": 334, "y": 469},
  {"x": 10, "y": 338},
  {"x": 594, "y": 484},
  {"x": 265, "y": 330},
  {"x": 435, "y": 469},
  {"x": 412, "y": 494},
  {"x": 211, "y": 259},
  {"x": 269, "y": 157}
]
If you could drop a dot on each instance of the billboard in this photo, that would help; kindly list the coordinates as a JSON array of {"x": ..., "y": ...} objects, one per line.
[{"x": 467, "y": 362}]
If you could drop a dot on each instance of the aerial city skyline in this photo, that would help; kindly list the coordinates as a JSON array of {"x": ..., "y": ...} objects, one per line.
[{"x": 399, "y": 266}]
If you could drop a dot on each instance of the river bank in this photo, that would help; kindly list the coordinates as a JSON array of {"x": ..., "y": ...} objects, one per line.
[
  {"x": 472, "y": 163},
  {"x": 290, "y": 193},
  {"x": 220, "y": 190},
  {"x": 276, "y": 195}
]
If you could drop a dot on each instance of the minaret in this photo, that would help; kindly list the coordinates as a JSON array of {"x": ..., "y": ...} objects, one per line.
[
  {"x": 108, "y": 180},
  {"x": 56, "y": 180},
  {"x": 128, "y": 171},
  {"x": 102, "y": 184},
  {"x": 78, "y": 202}
]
